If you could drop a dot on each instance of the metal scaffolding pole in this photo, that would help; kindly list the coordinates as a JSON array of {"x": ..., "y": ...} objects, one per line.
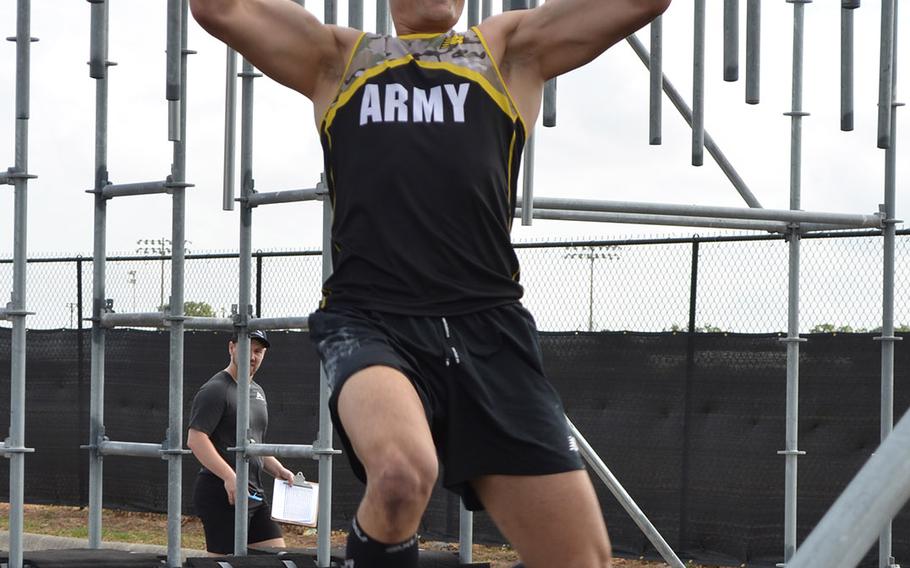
[
  {"x": 876, "y": 494},
  {"x": 656, "y": 76},
  {"x": 698, "y": 86},
  {"x": 731, "y": 40},
  {"x": 886, "y": 75},
  {"x": 787, "y": 215},
  {"x": 13, "y": 447},
  {"x": 885, "y": 560},
  {"x": 241, "y": 465},
  {"x": 98, "y": 70},
  {"x": 753, "y": 51},
  {"x": 326, "y": 431},
  {"x": 621, "y": 495},
  {"x": 793, "y": 339},
  {"x": 174, "y": 443},
  {"x": 846, "y": 63},
  {"x": 230, "y": 128}
]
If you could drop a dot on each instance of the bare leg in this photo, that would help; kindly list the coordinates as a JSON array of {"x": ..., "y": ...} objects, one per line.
[
  {"x": 551, "y": 520},
  {"x": 270, "y": 543},
  {"x": 385, "y": 421}
]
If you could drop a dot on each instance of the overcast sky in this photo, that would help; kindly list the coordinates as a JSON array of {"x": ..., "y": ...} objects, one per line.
[{"x": 598, "y": 150}]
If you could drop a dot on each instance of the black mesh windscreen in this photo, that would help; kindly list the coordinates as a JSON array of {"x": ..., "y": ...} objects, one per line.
[{"x": 690, "y": 425}]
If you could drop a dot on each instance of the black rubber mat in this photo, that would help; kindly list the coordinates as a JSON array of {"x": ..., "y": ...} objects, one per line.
[
  {"x": 88, "y": 558},
  {"x": 307, "y": 559}
]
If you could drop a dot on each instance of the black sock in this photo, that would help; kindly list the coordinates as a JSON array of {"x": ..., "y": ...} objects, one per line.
[{"x": 364, "y": 552}]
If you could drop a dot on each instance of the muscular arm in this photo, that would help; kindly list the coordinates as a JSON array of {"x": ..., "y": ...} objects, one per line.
[
  {"x": 532, "y": 46},
  {"x": 282, "y": 39},
  {"x": 208, "y": 456}
]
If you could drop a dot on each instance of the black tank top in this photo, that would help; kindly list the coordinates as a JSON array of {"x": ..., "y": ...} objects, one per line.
[{"x": 422, "y": 147}]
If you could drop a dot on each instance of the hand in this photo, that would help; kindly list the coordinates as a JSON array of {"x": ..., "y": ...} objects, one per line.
[
  {"x": 230, "y": 487},
  {"x": 286, "y": 474}
]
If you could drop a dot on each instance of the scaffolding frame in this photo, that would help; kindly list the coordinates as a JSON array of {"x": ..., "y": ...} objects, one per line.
[
  {"x": 13, "y": 447},
  {"x": 842, "y": 536}
]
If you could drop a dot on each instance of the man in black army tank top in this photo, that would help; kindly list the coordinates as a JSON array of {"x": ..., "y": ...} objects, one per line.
[{"x": 430, "y": 355}]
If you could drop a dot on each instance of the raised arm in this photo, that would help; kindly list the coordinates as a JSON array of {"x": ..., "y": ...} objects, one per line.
[
  {"x": 532, "y": 46},
  {"x": 282, "y": 39}
]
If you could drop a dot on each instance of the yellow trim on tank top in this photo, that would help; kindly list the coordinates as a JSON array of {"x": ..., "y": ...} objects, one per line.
[
  {"x": 347, "y": 67},
  {"x": 509, "y": 172},
  {"x": 421, "y": 36},
  {"x": 486, "y": 48},
  {"x": 501, "y": 99}
]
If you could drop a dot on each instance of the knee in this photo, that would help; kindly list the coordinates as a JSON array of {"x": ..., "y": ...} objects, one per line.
[
  {"x": 602, "y": 555},
  {"x": 402, "y": 484},
  {"x": 598, "y": 555}
]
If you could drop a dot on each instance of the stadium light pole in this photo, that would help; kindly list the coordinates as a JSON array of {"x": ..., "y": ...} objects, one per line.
[
  {"x": 162, "y": 248},
  {"x": 590, "y": 255}
]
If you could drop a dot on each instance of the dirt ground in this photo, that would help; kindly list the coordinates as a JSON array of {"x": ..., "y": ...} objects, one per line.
[{"x": 151, "y": 528}]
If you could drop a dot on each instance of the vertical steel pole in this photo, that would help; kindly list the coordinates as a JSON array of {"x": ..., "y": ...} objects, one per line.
[
  {"x": 698, "y": 86},
  {"x": 331, "y": 12},
  {"x": 382, "y": 17},
  {"x": 731, "y": 40},
  {"x": 174, "y": 444},
  {"x": 793, "y": 339},
  {"x": 98, "y": 71},
  {"x": 846, "y": 63},
  {"x": 886, "y": 62},
  {"x": 324, "y": 438},
  {"x": 230, "y": 122},
  {"x": 473, "y": 13},
  {"x": 355, "y": 14},
  {"x": 657, "y": 81},
  {"x": 753, "y": 51},
  {"x": 527, "y": 197},
  {"x": 174, "y": 33},
  {"x": 465, "y": 534},
  {"x": 15, "y": 443},
  {"x": 486, "y": 9},
  {"x": 241, "y": 506},
  {"x": 885, "y": 560}
]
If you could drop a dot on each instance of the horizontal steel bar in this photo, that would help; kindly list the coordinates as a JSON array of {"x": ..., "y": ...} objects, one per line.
[
  {"x": 208, "y": 324},
  {"x": 301, "y": 322},
  {"x": 786, "y": 215},
  {"x": 141, "y": 188},
  {"x": 138, "y": 449},
  {"x": 638, "y": 219},
  {"x": 678, "y": 220},
  {"x": 287, "y": 196},
  {"x": 147, "y": 319},
  {"x": 281, "y": 450},
  {"x": 161, "y": 320},
  {"x": 7, "y": 451}
]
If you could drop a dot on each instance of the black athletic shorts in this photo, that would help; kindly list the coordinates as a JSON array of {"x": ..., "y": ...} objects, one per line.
[
  {"x": 211, "y": 503},
  {"x": 480, "y": 378}
]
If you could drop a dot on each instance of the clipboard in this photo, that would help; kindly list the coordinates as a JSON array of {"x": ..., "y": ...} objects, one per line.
[{"x": 296, "y": 503}]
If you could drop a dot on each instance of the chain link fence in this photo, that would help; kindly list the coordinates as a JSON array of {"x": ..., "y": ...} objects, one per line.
[{"x": 722, "y": 284}]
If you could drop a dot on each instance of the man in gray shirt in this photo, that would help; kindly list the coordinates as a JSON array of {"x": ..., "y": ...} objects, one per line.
[{"x": 212, "y": 429}]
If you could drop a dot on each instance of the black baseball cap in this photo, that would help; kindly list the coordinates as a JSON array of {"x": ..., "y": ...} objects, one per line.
[{"x": 258, "y": 335}]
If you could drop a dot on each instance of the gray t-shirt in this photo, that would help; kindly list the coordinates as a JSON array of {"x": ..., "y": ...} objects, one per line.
[{"x": 214, "y": 413}]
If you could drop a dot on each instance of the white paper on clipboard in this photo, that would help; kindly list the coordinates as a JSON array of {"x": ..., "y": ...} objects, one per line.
[{"x": 295, "y": 503}]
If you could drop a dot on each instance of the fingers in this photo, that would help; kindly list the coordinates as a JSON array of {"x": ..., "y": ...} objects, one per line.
[{"x": 230, "y": 489}]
